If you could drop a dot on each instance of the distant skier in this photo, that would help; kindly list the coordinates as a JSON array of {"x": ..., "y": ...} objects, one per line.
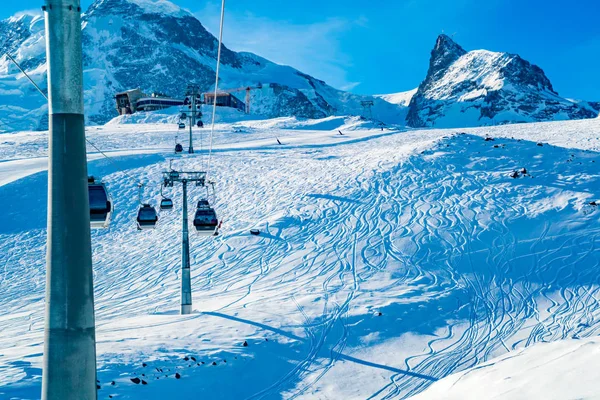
[
  {"x": 279, "y": 142},
  {"x": 341, "y": 133}
]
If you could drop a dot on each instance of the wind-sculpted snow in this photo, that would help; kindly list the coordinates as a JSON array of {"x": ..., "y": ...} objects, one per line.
[{"x": 384, "y": 264}]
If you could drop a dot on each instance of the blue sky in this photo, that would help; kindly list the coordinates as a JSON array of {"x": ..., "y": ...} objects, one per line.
[{"x": 383, "y": 46}]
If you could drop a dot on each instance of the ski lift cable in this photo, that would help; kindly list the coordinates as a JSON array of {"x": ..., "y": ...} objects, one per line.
[
  {"x": 26, "y": 75},
  {"x": 212, "y": 184},
  {"x": 208, "y": 186},
  {"x": 110, "y": 159},
  {"x": 176, "y": 137},
  {"x": 162, "y": 196},
  {"x": 214, "y": 111},
  {"x": 36, "y": 85},
  {"x": 140, "y": 189},
  {"x": 46, "y": 97}
]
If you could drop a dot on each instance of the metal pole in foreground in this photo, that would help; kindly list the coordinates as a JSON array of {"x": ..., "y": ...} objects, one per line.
[
  {"x": 186, "y": 280},
  {"x": 69, "y": 366}
]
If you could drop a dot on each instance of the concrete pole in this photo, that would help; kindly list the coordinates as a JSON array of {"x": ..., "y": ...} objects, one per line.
[
  {"x": 69, "y": 366},
  {"x": 186, "y": 280}
]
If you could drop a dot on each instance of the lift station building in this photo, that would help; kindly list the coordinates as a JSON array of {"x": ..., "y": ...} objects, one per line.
[
  {"x": 134, "y": 100},
  {"x": 224, "y": 99}
]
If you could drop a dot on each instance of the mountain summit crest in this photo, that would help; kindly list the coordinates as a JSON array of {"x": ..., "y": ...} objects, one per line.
[{"x": 482, "y": 87}]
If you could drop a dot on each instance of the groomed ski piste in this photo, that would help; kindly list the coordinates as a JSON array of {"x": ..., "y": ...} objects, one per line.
[{"x": 387, "y": 261}]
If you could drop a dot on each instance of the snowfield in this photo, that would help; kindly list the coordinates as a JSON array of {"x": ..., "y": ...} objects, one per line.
[
  {"x": 567, "y": 369},
  {"x": 390, "y": 261}
]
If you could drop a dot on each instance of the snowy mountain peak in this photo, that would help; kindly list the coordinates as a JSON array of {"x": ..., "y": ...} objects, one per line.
[
  {"x": 445, "y": 52},
  {"x": 482, "y": 87},
  {"x": 25, "y": 17},
  {"x": 18, "y": 28},
  {"x": 125, "y": 7}
]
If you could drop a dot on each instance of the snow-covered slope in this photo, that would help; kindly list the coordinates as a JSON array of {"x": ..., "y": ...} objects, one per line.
[
  {"x": 486, "y": 88},
  {"x": 401, "y": 98},
  {"x": 160, "y": 47},
  {"x": 387, "y": 260},
  {"x": 567, "y": 369}
]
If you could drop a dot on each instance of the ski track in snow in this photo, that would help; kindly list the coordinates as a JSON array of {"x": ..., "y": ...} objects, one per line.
[{"x": 426, "y": 227}]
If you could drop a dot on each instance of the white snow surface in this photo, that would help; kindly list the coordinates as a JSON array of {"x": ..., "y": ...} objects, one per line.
[
  {"x": 567, "y": 369},
  {"x": 161, "y": 7},
  {"x": 479, "y": 66},
  {"x": 388, "y": 261},
  {"x": 401, "y": 98}
]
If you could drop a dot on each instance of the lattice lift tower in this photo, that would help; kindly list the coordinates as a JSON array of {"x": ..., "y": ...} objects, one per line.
[{"x": 367, "y": 104}]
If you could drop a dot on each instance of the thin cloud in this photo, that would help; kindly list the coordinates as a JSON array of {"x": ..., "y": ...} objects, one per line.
[
  {"x": 311, "y": 48},
  {"x": 348, "y": 87}
]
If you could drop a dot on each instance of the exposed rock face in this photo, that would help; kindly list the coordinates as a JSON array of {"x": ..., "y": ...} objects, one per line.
[
  {"x": 486, "y": 88},
  {"x": 595, "y": 105}
]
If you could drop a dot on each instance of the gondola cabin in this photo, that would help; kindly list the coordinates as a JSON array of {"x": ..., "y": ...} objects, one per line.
[
  {"x": 205, "y": 219},
  {"x": 101, "y": 207},
  {"x": 181, "y": 125},
  {"x": 147, "y": 217},
  {"x": 166, "y": 204},
  {"x": 178, "y": 148}
]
